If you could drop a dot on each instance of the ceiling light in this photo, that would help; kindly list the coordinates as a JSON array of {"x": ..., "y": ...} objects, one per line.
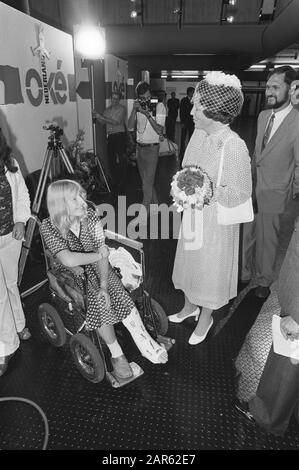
[
  {"x": 90, "y": 42},
  {"x": 133, "y": 14},
  {"x": 184, "y": 76}
]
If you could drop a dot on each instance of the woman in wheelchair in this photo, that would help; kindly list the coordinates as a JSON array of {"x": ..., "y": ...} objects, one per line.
[{"x": 74, "y": 235}]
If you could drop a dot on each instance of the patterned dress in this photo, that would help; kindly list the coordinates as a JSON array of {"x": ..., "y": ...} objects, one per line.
[
  {"x": 208, "y": 276},
  {"x": 90, "y": 238}
]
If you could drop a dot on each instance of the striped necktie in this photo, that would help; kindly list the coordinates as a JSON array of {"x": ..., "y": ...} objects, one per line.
[{"x": 268, "y": 131}]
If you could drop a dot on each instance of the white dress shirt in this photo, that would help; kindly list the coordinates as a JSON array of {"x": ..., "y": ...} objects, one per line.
[{"x": 279, "y": 117}]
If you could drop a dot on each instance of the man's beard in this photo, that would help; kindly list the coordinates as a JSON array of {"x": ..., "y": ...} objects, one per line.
[{"x": 277, "y": 103}]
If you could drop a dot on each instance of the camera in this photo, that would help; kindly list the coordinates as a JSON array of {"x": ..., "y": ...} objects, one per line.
[
  {"x": 54, "y": 129},
  {"x": 149, "y": 105}
]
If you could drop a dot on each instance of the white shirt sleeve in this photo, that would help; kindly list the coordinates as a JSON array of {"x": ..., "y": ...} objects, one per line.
[{"x": 160, "y": 114}]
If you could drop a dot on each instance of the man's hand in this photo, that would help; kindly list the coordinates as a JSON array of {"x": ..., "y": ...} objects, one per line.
[
  {"x": 289, "y": 328},
  {"x": 104, "y": 293},
  {"x": 136, "y": 106},
  {"x": 18, "y": 231},
  {"x": 96, "y": 115}
]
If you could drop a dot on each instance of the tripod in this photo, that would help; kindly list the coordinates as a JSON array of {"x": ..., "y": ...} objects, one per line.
[
  {"x": 90, "y": 66},
  {"x": 54, "y": 151}
]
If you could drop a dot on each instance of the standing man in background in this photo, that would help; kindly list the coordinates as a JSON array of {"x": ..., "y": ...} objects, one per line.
[
  {"x": 186, "y": 118},
  {"x": 173, "y": 105},
  {"x": 275, "y": 167},
  {"x": 114, "y": 117}
]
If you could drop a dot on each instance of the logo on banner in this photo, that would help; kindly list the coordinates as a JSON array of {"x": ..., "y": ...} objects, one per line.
[
  {"x": 40, "y": 85},
  {"x": 43, "y": 54},
  {"x": 40, "y": 49}
]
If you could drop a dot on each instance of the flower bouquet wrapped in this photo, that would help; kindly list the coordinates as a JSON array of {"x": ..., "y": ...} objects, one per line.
[{"x": 191, "y": 188}]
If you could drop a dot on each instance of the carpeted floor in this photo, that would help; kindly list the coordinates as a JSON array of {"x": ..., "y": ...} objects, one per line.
[{"x": 186, "y": 404}]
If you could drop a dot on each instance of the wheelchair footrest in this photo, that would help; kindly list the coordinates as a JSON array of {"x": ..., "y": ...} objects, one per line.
[
  {"x": 166, "y": 341},
  {"x": 117, "y": 382}
]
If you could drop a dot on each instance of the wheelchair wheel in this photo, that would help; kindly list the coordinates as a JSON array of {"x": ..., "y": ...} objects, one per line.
[
  {"x": 51, "y": 324},
  {"x": 160, "y": 318},
  {"x": 87, "y": 358}
]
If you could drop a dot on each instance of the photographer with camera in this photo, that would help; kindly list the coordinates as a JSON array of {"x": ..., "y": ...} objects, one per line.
[{"x": 148, "y": 117}]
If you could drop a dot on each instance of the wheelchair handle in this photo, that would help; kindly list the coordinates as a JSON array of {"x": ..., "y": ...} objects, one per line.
[{"x": 124, "y": 240}]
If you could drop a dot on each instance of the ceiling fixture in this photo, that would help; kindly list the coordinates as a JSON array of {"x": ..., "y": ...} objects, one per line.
[
  {"x": 267, "y": 11},
  {"x": 228, "y": 11},
  {"x": 179, "y": 11},
  {"x": 137, "y": 10}
]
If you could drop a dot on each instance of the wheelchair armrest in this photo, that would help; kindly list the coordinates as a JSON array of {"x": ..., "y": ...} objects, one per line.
[{"x": 123, "y": 240}]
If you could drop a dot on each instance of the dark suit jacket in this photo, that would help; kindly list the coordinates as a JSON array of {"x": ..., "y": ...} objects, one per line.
[
  {"x": 185, "y": 110},
  {"x": 276, "y": 168},
  {"x": 173, "y": 107},
  {"x": 288, "y": 281}
]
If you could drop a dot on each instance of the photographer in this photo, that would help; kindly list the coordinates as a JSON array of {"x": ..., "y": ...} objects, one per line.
[{"x": 148, "y": 118}]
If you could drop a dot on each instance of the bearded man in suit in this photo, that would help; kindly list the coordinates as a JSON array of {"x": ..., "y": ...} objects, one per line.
[{"x": 275, "y": 167}]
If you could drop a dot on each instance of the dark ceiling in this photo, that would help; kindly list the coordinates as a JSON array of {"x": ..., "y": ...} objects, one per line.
[{"x": 181, "y": 34}]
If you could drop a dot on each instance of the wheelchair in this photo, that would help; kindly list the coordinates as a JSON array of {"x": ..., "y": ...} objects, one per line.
[{"x": 65, "y": 316}]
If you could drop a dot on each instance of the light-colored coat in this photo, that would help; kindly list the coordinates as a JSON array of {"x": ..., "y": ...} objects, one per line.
[
  {"x": 20, "y": 195},
  {"x": 276, "y": 168}
]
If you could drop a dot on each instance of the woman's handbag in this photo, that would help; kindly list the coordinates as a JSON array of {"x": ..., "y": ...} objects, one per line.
[
  {"x": 233, "y": 215},
  {"x": 167, "y": 147}
]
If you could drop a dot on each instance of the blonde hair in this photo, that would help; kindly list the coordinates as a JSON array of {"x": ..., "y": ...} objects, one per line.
[{"x": 58, "y": 194}]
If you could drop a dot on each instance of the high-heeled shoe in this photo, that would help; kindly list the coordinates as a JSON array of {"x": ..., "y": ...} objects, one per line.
[
  {"x": 195, "y": 339},
  {"x": 176, "y": 319}
]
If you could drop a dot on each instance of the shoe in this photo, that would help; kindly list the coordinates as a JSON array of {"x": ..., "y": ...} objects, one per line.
[
  {"x": 121, "y": 367},
  {"x": 176, "y": 319},
  {"x": 243, "y": 408},
  {"x": 24, "y": 334},
  {"x": 4, "y": 365},
  {"x": 195, "y": 339},
  {"x": 262, "y": 292},
  {"x": 155, "y": 353}
]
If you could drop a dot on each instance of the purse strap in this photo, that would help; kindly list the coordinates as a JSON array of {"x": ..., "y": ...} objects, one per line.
[{"x": 221, "y": 162}]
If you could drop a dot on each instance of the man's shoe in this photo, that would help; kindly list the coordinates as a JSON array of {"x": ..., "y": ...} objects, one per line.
[
  {"x": 24, "y": 334},
  {"x": 121, "y": 367},
  {"x": 243, "y": 408},
  {"x": 262, "y": 292}
]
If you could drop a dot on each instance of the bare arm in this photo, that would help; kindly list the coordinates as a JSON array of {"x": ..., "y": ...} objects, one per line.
[
  {"x": 157, "y": 128},
  {"x": 71, "y": 259}
]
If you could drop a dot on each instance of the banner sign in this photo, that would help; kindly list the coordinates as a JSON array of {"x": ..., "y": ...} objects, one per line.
[{"x": 37, "y": 85}]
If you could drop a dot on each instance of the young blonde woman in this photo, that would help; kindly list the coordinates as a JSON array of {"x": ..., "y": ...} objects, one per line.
[{"x": 74, "y": 235}]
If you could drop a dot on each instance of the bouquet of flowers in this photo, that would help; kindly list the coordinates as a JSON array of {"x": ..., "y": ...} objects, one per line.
[{"x": 191, "y": 188}]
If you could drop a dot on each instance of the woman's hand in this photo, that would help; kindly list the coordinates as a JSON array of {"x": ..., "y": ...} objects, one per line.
[
  {"x": 104, "y": 251},
  {"x": 104, "y": 293},
  {"x": 18, "y": 231}
]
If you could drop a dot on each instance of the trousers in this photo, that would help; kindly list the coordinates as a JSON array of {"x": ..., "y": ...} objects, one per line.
[
  {"x": 147, "y": 161},
  {"x": 264, "y": 245},
  {"x": 12, "y": 319},
  {"x": 277, "y": 395}
]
